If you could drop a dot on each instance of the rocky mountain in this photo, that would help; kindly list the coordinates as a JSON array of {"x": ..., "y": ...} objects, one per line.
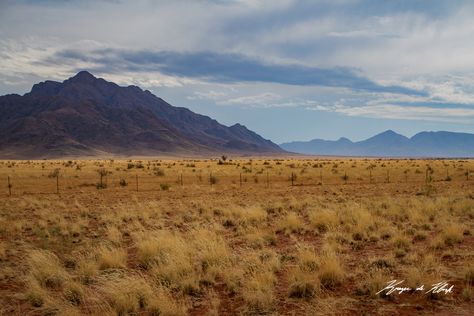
[
  {"x": 391, "y": 144},
  {"x": 85, "y": 115}
]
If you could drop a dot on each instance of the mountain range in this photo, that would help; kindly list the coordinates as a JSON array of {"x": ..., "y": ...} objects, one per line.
[
  {"x": 391, "y": 144},
  {"x": 89, "y": 116}
]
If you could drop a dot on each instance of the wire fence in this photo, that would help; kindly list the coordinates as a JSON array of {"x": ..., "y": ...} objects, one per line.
[{"x": 64, "y": 183}]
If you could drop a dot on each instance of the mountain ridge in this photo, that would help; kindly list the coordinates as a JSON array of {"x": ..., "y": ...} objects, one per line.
[
  {"x": 88, "y": 116},
  {"x": 391, "y": 144}
]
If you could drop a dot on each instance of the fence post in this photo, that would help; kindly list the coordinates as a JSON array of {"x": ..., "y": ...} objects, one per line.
[
  {"x": 9, "y": 187},
  {"x": 136, "y": 181},
  {"x": 57, "y": 184},
  {"x": 267, "y": 180},
  {"x": 181, "y": 179},
  {"x": 292, "y": 179},
  {"x": 370, "y": 175},
  {"x": 321, "y": 176},
  {"x": 388, "y": 176},
  {"x": 210, "y": 178}
]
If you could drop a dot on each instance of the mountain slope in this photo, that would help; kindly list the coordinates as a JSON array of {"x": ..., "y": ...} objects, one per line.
[
  {"x": 85, "y": 115},
  {"x": 391, "y": 144}
]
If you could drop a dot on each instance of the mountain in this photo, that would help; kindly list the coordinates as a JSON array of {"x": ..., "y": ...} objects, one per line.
[
  {"x": 87, "y": 116},
  {"x": 391, "y": 144}
]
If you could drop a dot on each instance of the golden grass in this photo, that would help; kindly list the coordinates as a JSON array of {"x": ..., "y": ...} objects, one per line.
[
  {"x": 331, "y": 273},
  {"x": 227, "y": 249},
  {"x": 46, "y": 269},
  {"x": 111, "y": 257}
]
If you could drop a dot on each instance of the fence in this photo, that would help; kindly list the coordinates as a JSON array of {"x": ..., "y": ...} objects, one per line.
[{"x": 64, "y": 183}]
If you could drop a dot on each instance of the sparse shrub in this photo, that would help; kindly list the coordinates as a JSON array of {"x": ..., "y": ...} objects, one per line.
[
  {"x": 307, "y": 259},
  {"x": 54, "y": 173},
  {"x": 158, "y": 172},
  {"x": 101, "y": 186},
  {"x": 469, "y": 274},
  {"x": 114, "y": 235},
  {"x": 111, "y": 257},
  {"x": 467, "y": 293},
  {"x": 74, "y": 293},
  {"x": 371, "y": 285},
  {"x": 323, "y": 220},
  {"x": 303, "y": 284},
  {"x": 419, "y": 236},
  {"x": 46, "y": 269},
  {"x": 164, "y": 186},
  {"x": 292, "y": 223},
  {"x": 35, "y": 295},
  {"x": 131, "y": 294},
  {"x": 331, "y": 272},
  {"x": 87, "y": 269},
  {"x": 102, "y": 173},
  {"x": 452, "y": 234},
  {"x": 402, "y": 242},
  {"x": 257, "y": 292}
]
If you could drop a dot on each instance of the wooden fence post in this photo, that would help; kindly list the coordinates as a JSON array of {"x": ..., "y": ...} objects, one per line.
[
  {"x": 9, "y": 187},
  {"x": 181, "y": 179},
  {"x": 321, "y": 176}
]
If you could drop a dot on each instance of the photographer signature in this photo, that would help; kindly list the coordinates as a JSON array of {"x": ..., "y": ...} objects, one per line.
[{"x": 396, "y": 287}]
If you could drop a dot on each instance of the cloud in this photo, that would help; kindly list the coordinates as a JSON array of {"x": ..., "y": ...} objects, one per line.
[
  {"x": 267, "y": 99},
  {"x": 427, "y": 111},
  {"x": 229, "y": 68}
]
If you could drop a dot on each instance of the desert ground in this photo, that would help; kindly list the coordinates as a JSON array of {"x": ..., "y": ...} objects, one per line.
[{"x": 224, "y": 236}]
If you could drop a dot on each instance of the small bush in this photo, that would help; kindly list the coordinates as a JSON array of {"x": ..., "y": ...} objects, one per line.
[
  {"x": 158, "y": 172},
  {"x": 46, "y": 269},
  {"x": 452, "y": 234},
  {"x": 101, "y": 186},
  {"x": 303, "y": 285},
  {"x": 54, "y": 173},
  {"x": 111, "y": 258},
  {"x": 331, "y": 272},
  {"x": 164, "y": 186}
]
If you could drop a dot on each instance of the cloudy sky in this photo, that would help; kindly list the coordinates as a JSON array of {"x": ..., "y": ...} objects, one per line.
[{"x": 287, "y": 69}]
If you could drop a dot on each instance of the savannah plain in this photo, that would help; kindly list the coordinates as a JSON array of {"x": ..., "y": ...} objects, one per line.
[{"x": 232, "y": 236}]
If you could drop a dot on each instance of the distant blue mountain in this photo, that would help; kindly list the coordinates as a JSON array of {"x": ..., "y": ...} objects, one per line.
[{"x": 391, "y": 144}]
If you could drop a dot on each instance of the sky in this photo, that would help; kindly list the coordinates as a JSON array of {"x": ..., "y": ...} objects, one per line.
[{"x": 287, "y": 69}]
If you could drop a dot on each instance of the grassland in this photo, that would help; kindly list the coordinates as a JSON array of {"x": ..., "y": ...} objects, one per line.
[{"x": 235, "y": 236}]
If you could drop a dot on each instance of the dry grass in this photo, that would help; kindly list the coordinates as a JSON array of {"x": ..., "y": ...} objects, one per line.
[
  {"x": 225, "y": 249},
  {"x": 111, "y": 257}
]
